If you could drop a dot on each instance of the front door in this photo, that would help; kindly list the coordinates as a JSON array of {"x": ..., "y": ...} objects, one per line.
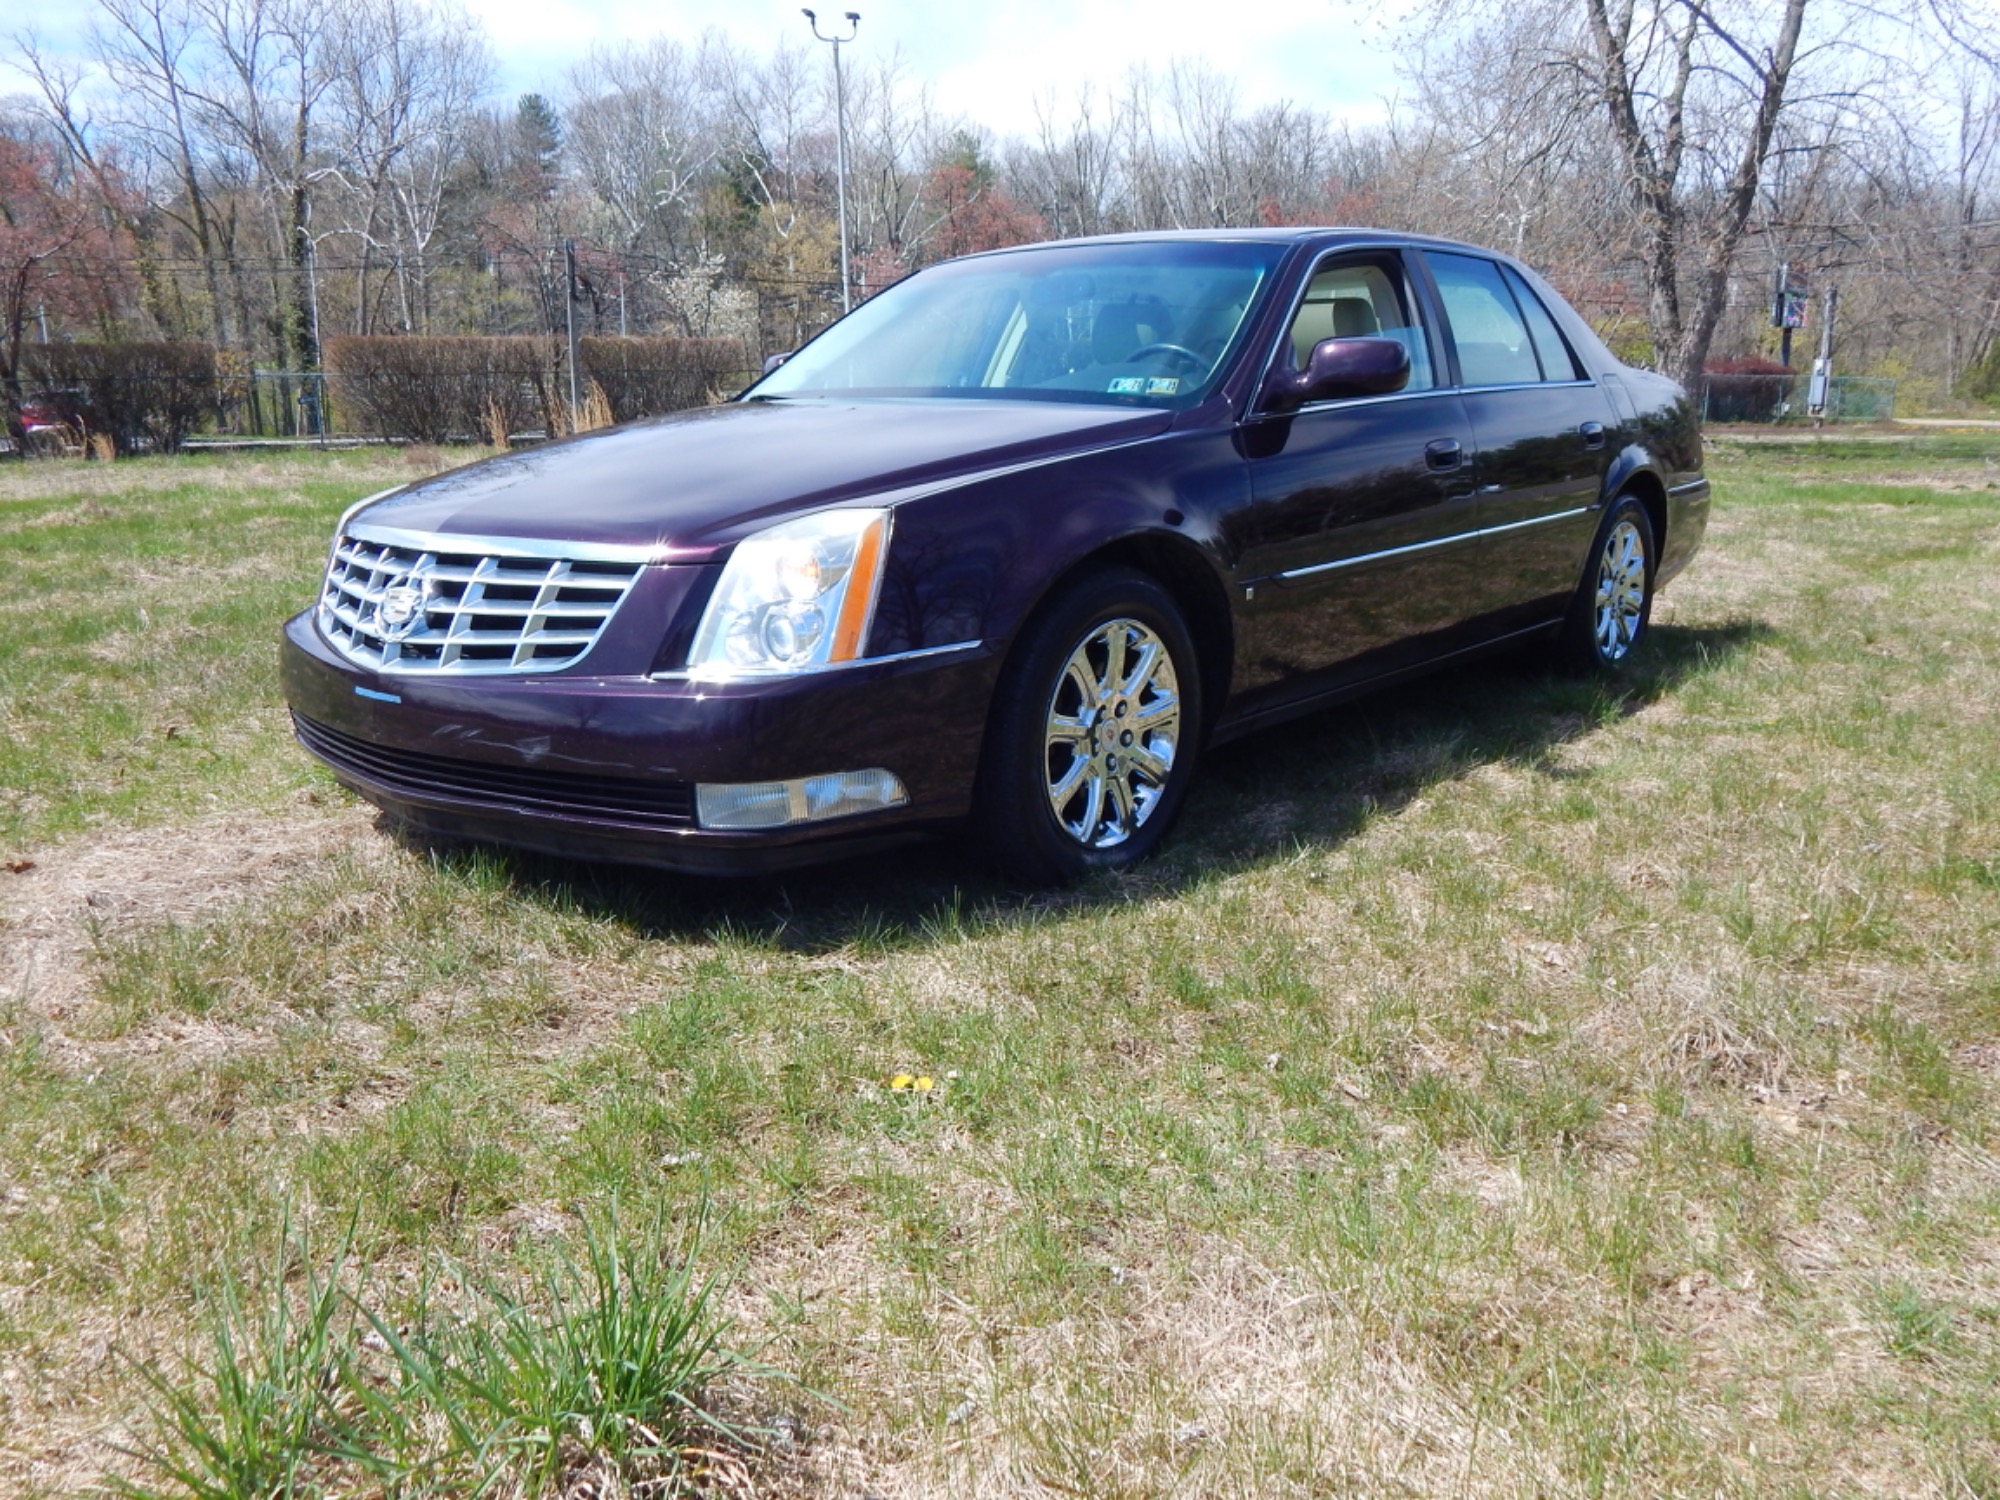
[{"x": 1356, "y": 554}]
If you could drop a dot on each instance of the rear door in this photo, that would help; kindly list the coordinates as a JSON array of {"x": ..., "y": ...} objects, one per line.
[
  {"x": 1543, "y": 437},
  {"x": 1357, "y": 550}
]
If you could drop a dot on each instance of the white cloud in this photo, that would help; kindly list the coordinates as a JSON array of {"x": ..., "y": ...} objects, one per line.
[{"x": 991, "y": 63}]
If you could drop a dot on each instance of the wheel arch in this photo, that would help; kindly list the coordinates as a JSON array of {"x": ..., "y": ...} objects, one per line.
[
  {"x": 1180, "y": 567},
  {"x": 1644, "y": 485}
]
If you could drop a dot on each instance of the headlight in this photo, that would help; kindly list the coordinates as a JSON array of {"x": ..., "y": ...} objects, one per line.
[{"x": 795, "y": 597}]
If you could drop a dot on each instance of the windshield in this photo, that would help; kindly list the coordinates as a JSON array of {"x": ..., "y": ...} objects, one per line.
[{"x": 1146, "y": 323}]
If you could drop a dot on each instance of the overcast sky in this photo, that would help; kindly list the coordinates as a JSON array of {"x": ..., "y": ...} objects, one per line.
[{"x": 987, "y": 62}]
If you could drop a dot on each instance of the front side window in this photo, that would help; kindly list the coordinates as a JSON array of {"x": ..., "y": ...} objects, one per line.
[
  {"x": 1146, "y": 323},
  {"x": 1361, "y": 299},
  {"x": 1494, "y": 347}
]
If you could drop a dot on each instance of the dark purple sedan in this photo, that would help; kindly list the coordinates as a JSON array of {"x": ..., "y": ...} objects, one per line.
[{"x": 1005, "y": 548}]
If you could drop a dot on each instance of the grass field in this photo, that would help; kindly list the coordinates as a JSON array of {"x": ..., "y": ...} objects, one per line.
[{"x": 1504, "y": 1087}]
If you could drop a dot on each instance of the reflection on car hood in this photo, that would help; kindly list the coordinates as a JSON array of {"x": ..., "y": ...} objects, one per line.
[{"x": 697, "y": 481}]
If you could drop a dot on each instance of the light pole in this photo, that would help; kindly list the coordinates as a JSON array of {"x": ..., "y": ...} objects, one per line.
[{"x": 840, "y": 146}]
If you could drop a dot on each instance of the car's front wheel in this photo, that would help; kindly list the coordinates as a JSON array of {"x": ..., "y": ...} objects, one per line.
[
  {"x": 1095, "y": 731},
  {"x": 1614, "y": 604}
]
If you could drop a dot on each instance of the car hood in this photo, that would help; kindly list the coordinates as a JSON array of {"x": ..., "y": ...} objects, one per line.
[{"x": 695, "y": 482}]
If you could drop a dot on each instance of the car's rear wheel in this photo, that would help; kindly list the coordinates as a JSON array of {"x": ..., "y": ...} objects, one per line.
[
  {"x": 1095, "y": 730},
  {"x": 1614, "y": 604}
]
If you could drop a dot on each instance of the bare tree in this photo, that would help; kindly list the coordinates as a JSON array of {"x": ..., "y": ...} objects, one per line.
[
  {"x": 1069, "y": 174},
  {"x": 641, "y": 136},
  {"x": 404, "y": 78},
  {"x": 150, "y": 53}
]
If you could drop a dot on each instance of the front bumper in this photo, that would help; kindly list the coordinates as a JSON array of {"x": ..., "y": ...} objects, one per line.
[{"x": 604, "y": 766}]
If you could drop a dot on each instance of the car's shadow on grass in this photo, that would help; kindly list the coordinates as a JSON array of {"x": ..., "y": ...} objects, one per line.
[{"x": 1311, "y": 783}]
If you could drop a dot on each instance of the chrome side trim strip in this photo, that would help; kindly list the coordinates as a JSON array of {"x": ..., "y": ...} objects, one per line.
[
  {"x": 1349, "y": 403},
  {"x": 1528, "y": 385},
  {"x": 1443, "y": 541},
  {"x": 504, "y": 546},
  {"x": 1560, "y": 515},
  {"x": 1691, "y": 485},
  {"x": 684, "y": 675},
  {"x": 1368, "y": 557}
]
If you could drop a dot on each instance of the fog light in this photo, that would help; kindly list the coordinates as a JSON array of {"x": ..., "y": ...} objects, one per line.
[
  {"x": 745, "y": 804},
  {"x": 808, "y": 799}
]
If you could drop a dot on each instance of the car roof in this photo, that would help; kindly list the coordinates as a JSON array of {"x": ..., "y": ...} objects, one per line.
[{"x": 1280, "y": 235}]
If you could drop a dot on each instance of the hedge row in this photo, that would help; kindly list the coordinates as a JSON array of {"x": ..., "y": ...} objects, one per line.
[
  {"x": 144, "y": 395},
  {"x": 642, "y": 377},
  {"x": 436, "y": 389}
]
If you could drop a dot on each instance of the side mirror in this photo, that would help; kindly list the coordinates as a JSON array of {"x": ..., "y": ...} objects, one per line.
[
  {"x": 772, "y": 361},
  {"x": 1340, "y": 367}
]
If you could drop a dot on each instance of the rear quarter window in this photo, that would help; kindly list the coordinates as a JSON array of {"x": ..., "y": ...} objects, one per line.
[{"x": 1558, "y": 362}]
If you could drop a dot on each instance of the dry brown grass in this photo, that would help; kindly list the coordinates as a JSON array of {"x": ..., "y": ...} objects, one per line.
[
  {"x": 1504, "y": 1088},
  {"x": 595, "y": 412},
  {"x": 498, "y": 431}
]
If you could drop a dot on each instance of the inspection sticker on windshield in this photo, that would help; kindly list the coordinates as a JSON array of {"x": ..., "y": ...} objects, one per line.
[
  {"x": 1163, "y": 387},
  {"x": 1127, "y": 385}
]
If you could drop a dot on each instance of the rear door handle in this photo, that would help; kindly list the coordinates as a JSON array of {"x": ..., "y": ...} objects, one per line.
[
  {"x": 1592, "y": 434},
  {"x": 1443, "y": 454}
]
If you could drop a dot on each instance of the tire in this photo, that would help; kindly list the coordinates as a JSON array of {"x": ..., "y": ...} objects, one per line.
[
  {"x": 1614, "y": 602},
  {"x": 1086, "y": 766}
]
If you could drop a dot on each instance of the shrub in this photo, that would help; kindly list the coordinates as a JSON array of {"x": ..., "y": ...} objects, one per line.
[
  {"x": 143, "y": 395},
  {"x": 1746, "y": 390},
  {"x": 643, "y": 377},
  {"x": 432, "y": 390},
  {"x": 1981, "y": 381}
]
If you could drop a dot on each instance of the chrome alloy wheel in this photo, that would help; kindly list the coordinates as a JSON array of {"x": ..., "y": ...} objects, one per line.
[
  {"x": 1114, "y": 723},
  {"x": 1621, "y": 591}
]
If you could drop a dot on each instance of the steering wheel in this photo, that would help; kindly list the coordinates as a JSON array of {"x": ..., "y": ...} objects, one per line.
[{"x": 1180, "y": 350}]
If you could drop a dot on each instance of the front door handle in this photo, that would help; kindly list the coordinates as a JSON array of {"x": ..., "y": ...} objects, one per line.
[
  {"x": 1443, "y": 454},
  {"x": 1592, "y": 434}
]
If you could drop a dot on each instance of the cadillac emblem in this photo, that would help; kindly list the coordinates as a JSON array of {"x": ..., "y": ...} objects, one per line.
[{"x": 401, "y": 608}]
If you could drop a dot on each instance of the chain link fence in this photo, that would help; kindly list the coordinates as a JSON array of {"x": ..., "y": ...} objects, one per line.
[
  {"x": 275, "y": 404},
  {"x": 1785, "y": 399},
  {"x": 59, "y": 418},
  {"x": 293, "y": 405}
]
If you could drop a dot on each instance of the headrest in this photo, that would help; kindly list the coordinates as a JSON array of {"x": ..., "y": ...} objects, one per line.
[
  {"x": 1354, "y": 318},
  {"x": 1120, "y": 328}
]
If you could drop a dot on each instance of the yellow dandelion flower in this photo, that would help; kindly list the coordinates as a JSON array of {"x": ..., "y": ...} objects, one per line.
[
  {"x": 924, "y": 1085},
  {"x": 901, "y": 1081}
]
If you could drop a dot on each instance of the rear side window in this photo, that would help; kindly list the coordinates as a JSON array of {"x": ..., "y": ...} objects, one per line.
[
  {"x": 1557, "y": 361},
  {"x": 1494, "y": 347}
]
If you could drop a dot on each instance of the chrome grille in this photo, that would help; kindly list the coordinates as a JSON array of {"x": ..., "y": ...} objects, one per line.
[{"x": 421, "y": 604}]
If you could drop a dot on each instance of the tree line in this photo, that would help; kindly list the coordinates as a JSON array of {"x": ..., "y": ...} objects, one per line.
[{"x": 265, "y": 175}]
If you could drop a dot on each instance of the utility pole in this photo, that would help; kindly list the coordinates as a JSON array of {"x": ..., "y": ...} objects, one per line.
[
  {"x": 569, "y": 323},
  {"x": 840, "y": 148},
  {"x": 1820, "y": 390}
]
